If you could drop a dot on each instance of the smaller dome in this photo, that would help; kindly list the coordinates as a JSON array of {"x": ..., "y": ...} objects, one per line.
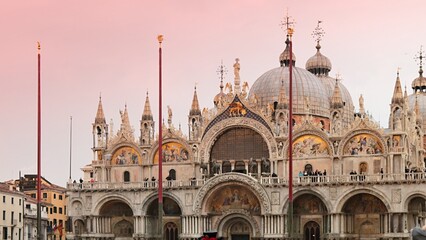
[
  {"x": 285, "y": 56},
  {"x": 420, "y": 82},
  {"x": 318, "y": 64}
]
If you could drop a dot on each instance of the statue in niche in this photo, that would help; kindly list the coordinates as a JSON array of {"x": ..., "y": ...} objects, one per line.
[
  {"x": 397, "y": 124},
  {"x": 280, "y": 148},
  {"x": 336, "y": 124},
  {"x": 336, "y": 146}
]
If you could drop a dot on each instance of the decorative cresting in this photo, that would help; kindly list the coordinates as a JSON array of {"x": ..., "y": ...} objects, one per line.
[
  {"x": 216, "y": 130},
  {"x": 236, "y": 109},
  {"x": 234, "y": 213},
  {"x": 246, "y": 180},
  {"x": 363, "y": 142}
]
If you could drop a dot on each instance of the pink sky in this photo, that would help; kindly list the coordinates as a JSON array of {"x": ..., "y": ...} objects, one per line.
[{"x": 110, "y": 47}]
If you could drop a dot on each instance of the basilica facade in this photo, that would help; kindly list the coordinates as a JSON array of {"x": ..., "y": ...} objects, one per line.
[{"x": 352, "y": 179}]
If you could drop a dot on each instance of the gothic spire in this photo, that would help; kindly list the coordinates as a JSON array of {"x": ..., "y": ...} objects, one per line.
[
  {"x": 147, "y": 114},
  {"x": 397, "y": 97},
  {"x": 125, "y": 122},
  {"x": 195, "y": 107},
  {"x": 100, "y": 116},
  {"x": 336, "y": 99}
]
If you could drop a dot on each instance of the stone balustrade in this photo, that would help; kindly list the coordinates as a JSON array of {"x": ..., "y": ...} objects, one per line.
[{"x": 315, "y": 180}]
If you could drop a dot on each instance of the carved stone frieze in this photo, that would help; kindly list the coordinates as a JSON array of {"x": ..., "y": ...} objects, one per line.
[{"x": 396, "y": 195}]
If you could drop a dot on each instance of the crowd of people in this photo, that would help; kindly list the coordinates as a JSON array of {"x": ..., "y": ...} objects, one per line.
[{"x": 314, "y": 176}]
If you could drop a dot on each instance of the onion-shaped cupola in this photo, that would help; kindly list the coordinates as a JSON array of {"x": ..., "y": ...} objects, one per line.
[
  {"x": 417, "y": 100},
  {"x": 419, "y": 84},
  {"x": 285, "y": 56},
  {"x": 318, "y": 64}
]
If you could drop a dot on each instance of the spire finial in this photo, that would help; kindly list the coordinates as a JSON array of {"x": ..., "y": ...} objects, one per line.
[
  {"x": 338, "y": 77},
  {"x": 160, "y": 39},
  {"x": 419, "y": 58},
  {"x": 221, "y": 71},
  {"x": 288, "y": 25},
  {"x": 38, "y": 47},
  {"x": 317, "y": 34},
  {"x": 397, "y": 71}
]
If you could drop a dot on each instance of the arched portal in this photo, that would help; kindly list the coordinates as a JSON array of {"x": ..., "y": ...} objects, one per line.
[
  {"x": 237, "y": 228},
  {"x": 311, "y": 231},
  {"x": 123, "y": 228},
  {"x": 416, "y": 212},
  {"x": 310, "y": 216},
  {"x": 79, "y": 227},
  {"x": 171, "y": 218},
  {"x": 364, "y": 216},
  {"x": 117, "y": 218}
]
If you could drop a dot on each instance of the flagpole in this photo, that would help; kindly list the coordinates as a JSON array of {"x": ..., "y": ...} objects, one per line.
[
  {"x": 160, "y": 145},
  {"x": 39, "y": 231},
  {"x": 290, "y": 136},
  {"x": 70, "y": 181}
]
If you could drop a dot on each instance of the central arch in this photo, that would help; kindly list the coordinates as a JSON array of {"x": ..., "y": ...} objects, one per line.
[
  {"x": 237, "y": 224},
  {"x": 237, "y": 228},
  {"x": 120, "y": 217}
]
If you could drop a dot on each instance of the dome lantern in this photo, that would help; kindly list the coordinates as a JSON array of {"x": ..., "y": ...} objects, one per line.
[
  {"x": 318, "y": 64},
  {"x": 285, "y": 56}
]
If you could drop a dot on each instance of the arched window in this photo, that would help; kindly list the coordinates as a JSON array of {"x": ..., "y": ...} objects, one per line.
[
  {"x": 171, "y": 231},
  {"x": 308, "y": 168},
  {"x": 172, "y": 174},
  {"x": 126, "y": 176}
]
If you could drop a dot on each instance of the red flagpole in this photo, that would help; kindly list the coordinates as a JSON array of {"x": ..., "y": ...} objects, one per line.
[
  {"x": 160, "y": 146},
  {"x": 39, "y": 230},
  {"x": 290, "y": 137}
]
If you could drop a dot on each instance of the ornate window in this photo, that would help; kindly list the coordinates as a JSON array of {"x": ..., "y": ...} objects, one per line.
[
  {"x": 171, "y": 231},
  {"x": 126, "y": 176}
]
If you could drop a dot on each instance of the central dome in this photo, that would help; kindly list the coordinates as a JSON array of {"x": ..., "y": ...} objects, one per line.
[{"x": 307, "y": 90}]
